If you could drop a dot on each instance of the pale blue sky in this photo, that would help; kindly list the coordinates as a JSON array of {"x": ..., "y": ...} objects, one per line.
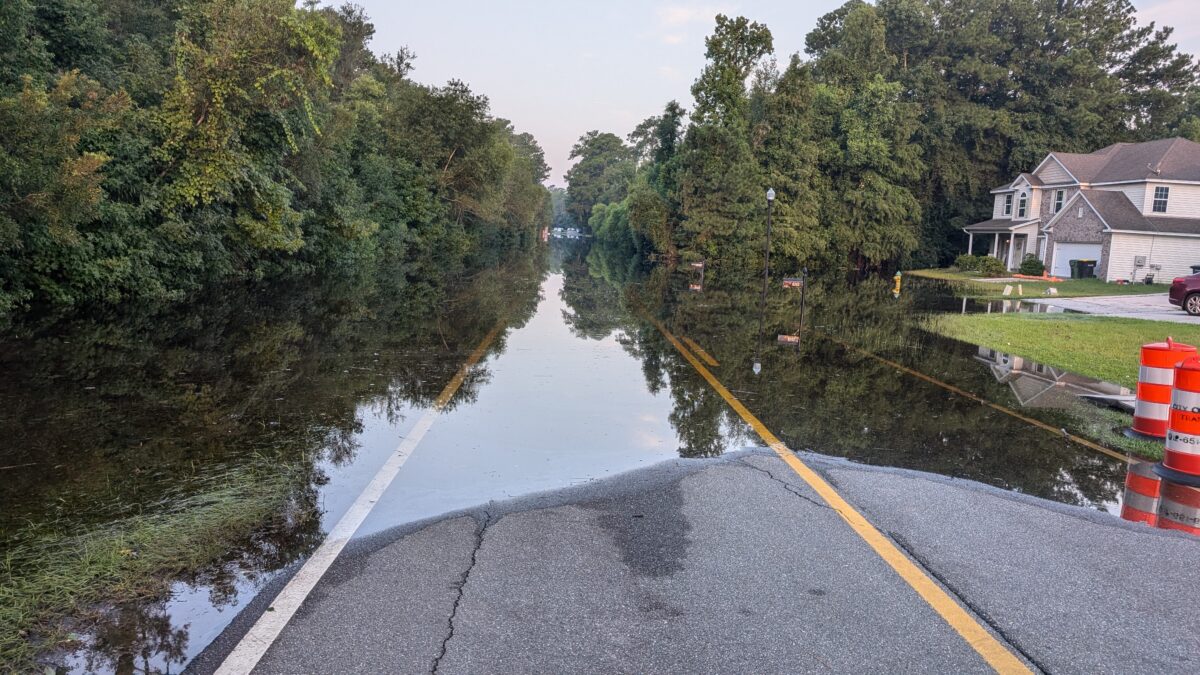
[{"x": 558, "y": 69}]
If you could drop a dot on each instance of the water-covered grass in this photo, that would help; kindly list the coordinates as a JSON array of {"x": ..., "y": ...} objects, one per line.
[
  {"x": 1105, "y": 348},
  {"x": 1107, "y": 426},
  {"x": 52, "y": 581},
  {"x": 974, "y": 286}
]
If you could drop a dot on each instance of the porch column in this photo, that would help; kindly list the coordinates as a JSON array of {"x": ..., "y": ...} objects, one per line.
[
  {"x": 995, "y": 245},
  {"x": 970, "y": 242},
  {"x": 1012, "y": 244}
]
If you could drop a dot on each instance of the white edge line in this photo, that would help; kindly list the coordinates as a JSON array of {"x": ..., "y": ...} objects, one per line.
[{"x": 270, "y": 624}]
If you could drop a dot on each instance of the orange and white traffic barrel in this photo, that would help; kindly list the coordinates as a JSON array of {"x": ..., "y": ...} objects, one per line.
[
  {"x": 1155, "y": 378},
  {"x": 1179, "y": 508},
  {"x": 1182, "y": 452},
  {"x": 1142, "y": 488}
]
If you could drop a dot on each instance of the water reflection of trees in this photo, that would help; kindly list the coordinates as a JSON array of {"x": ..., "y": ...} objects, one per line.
[
  {"x": 825, "y": 396},
  {"x": 115, "y": 415}
]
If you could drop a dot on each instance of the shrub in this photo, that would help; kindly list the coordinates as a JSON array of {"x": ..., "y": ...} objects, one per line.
[
  {"x": 967, "y": 262},
  {"x": 991, "y": 267},
  {"x": 1031, "y": 265}
]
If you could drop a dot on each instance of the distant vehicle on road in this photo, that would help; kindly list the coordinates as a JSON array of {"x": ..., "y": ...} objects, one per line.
[{"x": 1185, "y": 293}]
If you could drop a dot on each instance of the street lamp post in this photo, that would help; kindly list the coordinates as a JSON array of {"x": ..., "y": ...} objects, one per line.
[
  {"x": 766, "y": 279},
  {"x": 767, "y": 257}
]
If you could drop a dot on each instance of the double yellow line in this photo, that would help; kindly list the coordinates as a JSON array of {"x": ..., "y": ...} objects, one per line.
[{"x": 999, "y": 657}]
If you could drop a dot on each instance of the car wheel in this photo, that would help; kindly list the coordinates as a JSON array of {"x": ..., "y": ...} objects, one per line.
[{"x": 1192, "y": 304}]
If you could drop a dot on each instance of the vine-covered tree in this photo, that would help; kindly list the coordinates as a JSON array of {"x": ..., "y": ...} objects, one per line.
[{"x": 150, "y": 148}]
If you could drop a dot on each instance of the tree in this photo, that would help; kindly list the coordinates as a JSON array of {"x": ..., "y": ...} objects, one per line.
[
  {"x": 869, "y": 154},
  {"x": 720, "y": 187},
  {"x": 149, "y": 149},
  {"x": 602, "y": 174},
  {"x": 886, "y": 142},
  {"x": 733, "y": 50},
  {"x": 239, "y": 96}
]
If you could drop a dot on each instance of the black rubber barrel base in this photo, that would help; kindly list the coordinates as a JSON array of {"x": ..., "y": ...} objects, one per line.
[
  {"x": 1177, "y": 477},
  {"x": 1137, "y": 435}
]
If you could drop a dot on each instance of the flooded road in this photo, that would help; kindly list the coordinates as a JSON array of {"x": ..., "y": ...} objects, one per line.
[{"x": 282, "y": 405}]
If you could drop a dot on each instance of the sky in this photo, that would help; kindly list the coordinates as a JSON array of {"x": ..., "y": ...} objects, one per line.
[{"x": 560, "y": 68}]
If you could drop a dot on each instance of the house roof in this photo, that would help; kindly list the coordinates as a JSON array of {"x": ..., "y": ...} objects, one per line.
[
  {"x": 1115, "y": 208},
  {"x": 1119, "y": 213},
  {"x": 1162, "y": 225},
  {"x": 1164, "y": 159},
  {"x": 1030, "y": 178},
  {"x": 998, "y": 225}
]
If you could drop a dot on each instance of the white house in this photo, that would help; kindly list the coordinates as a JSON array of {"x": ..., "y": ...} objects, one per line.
[{"x": 1134, "y": 208}]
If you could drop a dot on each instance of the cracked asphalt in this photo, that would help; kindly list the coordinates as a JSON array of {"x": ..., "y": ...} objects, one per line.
[{"x": 735, "y": 565}]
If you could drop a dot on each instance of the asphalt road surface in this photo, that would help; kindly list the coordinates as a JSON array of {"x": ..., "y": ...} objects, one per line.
[{"x": 735, "y": 565}]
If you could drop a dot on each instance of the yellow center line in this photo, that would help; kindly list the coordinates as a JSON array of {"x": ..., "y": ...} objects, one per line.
[
  {"x": 993, "y": 652},
  {"x": 474, "y": 358},
  {"x": 979, "y": 399},
  {"x": 700, "y": 351}
]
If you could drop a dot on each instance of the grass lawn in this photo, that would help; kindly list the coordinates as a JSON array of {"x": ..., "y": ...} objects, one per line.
[
  {"x": 1106, "y": 348},
  {"x": 976, "y": 287}
]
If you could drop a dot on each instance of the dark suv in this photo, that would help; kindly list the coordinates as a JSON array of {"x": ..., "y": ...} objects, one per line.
[{"x": 1185, "y": 293}]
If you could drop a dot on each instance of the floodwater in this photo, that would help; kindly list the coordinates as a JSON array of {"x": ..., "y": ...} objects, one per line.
[{"x": 112, "y": 420}]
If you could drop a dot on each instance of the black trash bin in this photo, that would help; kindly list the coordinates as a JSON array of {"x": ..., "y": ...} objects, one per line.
[
  {"x": 1087, "y": 269},
  {"x": 1074, "y": 269},
  {"x": 1195, "y": 269}
]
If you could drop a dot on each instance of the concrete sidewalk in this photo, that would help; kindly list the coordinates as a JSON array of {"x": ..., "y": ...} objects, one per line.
[
  {"x": 735, "y": 565},
  {"x": 1152, "y": 307}
]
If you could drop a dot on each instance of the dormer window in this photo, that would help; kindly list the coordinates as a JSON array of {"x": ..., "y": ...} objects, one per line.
[
  {"x": 1022, "y": 205},
  {"x": 1160, "y": 198},
  {"x": 1059, "y": 196},
  {"x": 1008, "y": 204}
]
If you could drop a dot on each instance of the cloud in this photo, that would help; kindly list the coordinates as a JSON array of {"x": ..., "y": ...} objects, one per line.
[
  {"x": 678, "y": 15},
  {"x": 677, "y": 22},
  {"x": 1184, "y": 15},
  {"x": 668, "y": 72}
]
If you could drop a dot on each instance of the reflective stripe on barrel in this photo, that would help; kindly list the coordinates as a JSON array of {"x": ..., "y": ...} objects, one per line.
[
  {"x": 1142, "y": 486},
  {"x": 1155, "y": 379},
  {"x": 1183, "y": 434},
  {"x": 1179, "y": 508}
]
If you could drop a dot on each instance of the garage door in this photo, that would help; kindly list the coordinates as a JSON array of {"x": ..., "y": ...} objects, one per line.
[{"x": 1065, "y": 253}]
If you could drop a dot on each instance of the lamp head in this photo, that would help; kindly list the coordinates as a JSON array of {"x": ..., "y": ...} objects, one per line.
[{"x": 770, "y": 194}]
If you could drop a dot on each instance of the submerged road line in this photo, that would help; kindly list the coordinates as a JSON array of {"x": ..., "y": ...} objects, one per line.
[
  {"x": 999, "y": 657},
  {"x": 979, "y": 399},
  {"x": 700, "y": 351},
  {"x": 255, "y": 643}
]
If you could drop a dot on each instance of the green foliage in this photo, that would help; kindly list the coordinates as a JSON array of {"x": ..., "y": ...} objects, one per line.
[
  {"x": 602, "y": 174},
  {"x": 1031, "y": 265},
  {"x": 150, "y": 149},
  {"x": 559, "y": 216},
  {"x": 967, "y": 262},
  {"x": 610, "y": 225},
  {"x": 733, "y": 50},
  {"x": 885, "y": 144},
  {"x": 991, "y": 267}
]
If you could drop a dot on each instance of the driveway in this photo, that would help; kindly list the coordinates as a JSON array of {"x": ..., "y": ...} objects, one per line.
[{"x": 1152, "y": 307}]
